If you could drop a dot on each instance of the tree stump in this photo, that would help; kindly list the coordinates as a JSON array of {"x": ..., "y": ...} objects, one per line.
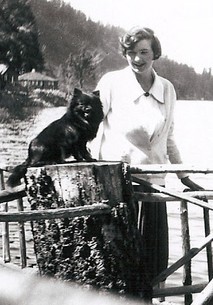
[{"x": 103, "y": 251}]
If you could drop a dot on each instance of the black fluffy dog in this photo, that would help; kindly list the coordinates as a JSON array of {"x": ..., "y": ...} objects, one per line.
[{"x": 64, "y": 137}]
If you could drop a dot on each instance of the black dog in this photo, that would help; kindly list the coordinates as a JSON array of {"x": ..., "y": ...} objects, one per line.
[{"x": 64, "y": 137}]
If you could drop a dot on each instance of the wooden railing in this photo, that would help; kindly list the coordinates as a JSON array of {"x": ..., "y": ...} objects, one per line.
[
  {"x": 163, "y": 194},
  {"x": 20, "y": 216}
]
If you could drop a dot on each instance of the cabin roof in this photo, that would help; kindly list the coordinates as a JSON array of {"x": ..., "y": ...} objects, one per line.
[
  {"x": 33, "y": 75},
  {"x": 3, "y": 68}
]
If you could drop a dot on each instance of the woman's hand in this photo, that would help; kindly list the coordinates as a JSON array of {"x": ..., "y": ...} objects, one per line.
[{"x": 192, "y": 185}]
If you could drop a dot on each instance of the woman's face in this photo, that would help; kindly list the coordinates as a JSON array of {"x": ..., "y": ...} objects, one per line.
[{"x": 140, "y": 59}]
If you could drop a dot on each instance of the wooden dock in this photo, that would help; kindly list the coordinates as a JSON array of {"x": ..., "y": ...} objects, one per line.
[{"x": 199, "y": 294}]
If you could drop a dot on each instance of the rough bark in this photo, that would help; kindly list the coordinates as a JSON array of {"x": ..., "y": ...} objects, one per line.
[{"x": 103, "y": 251}]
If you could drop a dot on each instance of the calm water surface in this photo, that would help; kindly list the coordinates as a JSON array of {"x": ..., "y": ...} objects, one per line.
[{"x": 194, "y": 134}]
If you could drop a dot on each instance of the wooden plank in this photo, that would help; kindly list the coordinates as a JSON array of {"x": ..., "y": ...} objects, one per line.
[
  {"x": 206, "y": 296},
  {"x": 9, "y": 266},
  {"x": 169, "y": 168},
  {"x": 183, "y": 260},
  {"x": 13, "y": 194},
  {"x": 181, "y": 196},
  {"x": 96, "y": 209},
  {"x": 180, "y": 290},
  {"x": 159, "y": 197}
]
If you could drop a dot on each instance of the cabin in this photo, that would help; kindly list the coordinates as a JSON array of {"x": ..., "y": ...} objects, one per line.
[
  {"x": 7, "y": 75},
  {"x": 34, "y": 80}
]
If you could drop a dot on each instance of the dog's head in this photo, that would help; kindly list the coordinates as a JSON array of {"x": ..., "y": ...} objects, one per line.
[{"x": 86, "y": 109}]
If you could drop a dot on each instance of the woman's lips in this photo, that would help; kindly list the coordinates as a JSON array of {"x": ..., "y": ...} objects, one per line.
[{"x": 138, "y": 65}]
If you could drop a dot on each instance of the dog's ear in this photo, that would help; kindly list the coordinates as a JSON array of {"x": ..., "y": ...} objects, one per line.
[
  {"x": 77, "y": 92},
  {"x": 96, "y": 93}
]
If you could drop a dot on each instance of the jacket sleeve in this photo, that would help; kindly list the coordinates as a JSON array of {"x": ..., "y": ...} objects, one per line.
[
  {"x": 105, "y": 92},
  {"x": 173, "y": 151},
  {"x": 105, "y": 96},
  {"x": 172, "y": 148}
]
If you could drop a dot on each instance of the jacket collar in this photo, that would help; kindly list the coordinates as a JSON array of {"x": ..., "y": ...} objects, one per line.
[{"x": 157, "y": 89}]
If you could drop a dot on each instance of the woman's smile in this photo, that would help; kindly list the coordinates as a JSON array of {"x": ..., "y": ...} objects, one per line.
[{"x": 141, "y": 57}]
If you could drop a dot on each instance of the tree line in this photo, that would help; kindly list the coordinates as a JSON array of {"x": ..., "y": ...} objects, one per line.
[
  {"x": 189, "y": 85},
  {"x": 52, "y": 36},
  {"x": 19, "y": 45}
]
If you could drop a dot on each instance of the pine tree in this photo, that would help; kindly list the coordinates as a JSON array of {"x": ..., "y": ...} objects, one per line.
[
  {"x": 80, "y": 69},
  {"x": 19, "y": 36}
]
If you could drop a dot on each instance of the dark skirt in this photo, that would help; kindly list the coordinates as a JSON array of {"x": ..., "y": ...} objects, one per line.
[{"x": 153, "y": 224}]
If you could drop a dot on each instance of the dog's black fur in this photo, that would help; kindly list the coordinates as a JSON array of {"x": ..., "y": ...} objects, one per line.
[{"x": 64, "y": 137}]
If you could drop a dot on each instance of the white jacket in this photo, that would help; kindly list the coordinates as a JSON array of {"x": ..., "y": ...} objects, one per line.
[{"x": 122, "y": 135}]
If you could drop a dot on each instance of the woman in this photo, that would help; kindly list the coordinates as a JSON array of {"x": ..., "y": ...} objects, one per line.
[{"x": 138, "y": 128}]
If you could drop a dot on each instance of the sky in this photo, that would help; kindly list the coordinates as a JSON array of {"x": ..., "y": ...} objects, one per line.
[{"x": 184, "y": 27}]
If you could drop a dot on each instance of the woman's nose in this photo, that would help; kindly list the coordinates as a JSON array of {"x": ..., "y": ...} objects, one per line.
[{"x": 138, "y": 57}]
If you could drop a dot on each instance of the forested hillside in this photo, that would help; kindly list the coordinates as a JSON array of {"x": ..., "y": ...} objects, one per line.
[
  {"x": 77, "y": 50},
  {"x": 64, "y": 31},
  {"x": 188, "y": 84},
  {"x": 67, "y": 37}
]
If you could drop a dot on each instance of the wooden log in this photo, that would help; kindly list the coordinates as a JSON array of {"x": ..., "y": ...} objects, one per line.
[
  {"x": 187, "y": 278},
  {"x": 103, "y": 251}
]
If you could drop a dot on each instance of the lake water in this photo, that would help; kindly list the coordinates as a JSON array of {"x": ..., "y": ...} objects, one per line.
[{"x": 194, "y": 134}]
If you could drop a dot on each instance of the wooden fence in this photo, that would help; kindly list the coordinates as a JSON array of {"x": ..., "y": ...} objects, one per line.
[{"x": 204, "y": 294}]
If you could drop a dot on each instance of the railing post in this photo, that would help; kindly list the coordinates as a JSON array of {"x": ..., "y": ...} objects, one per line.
[
  {"x": 5, "y": 226},
  {"x": 209, "y": 246},
  {"x": 22, "y": 239},
  {"x": 187, "y": 279}
]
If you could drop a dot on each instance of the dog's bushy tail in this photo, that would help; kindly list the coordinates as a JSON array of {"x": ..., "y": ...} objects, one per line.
[{"x": 17, "y": 173}]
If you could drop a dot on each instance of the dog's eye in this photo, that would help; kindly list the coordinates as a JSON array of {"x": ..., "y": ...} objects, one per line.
[{"x": 88, "y": 109}]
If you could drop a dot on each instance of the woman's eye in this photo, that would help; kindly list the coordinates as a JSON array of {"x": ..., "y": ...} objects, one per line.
[{"x": 131, "y": 53}]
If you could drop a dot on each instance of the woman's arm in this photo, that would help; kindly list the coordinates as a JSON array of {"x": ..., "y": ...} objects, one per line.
[
  {"x": 192, "y": 185},
  {"x": 175, "y": 158}
]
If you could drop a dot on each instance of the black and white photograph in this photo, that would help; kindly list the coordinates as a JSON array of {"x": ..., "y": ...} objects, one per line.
[{"x": 106, "y": 155}]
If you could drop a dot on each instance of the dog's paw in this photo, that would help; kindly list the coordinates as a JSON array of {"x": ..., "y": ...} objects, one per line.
[
  {"x": 93, "y": 160},
  {"x": 90, "y": 159}
]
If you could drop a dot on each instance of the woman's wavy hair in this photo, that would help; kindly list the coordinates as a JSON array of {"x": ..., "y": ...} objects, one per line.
[{"x": 136, "y": 34}]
